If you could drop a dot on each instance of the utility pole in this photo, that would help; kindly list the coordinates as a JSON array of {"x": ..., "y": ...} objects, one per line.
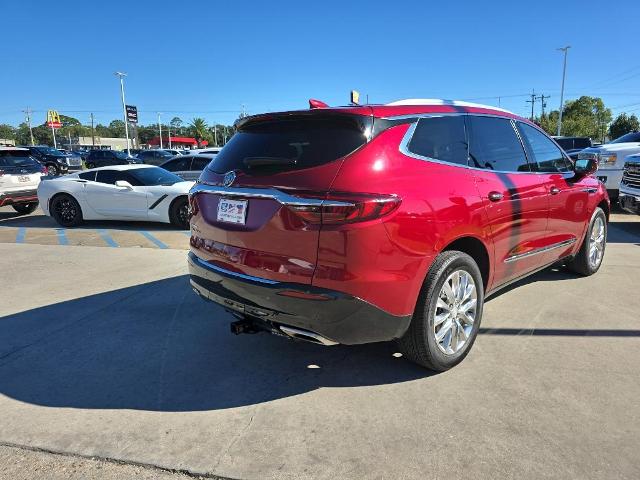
[
  {"x": 124, "y": 108},
  {"x": 27, "y": 114},
  {"x": 543, "y": 103},
  {"x": 169, "y": 127},
  {"x": 532, "y": 102},
  {"x": 215, "y": 134},
  {"x": 564, "y": 71},
  {"x": 160, "y": 128},
  {"x": 93, "y": 136}
]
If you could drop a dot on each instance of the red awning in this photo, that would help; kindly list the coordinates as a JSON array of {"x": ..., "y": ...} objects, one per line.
[{"x": 176, "y": 140}]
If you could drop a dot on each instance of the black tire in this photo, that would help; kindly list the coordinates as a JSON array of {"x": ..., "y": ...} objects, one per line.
[
  {"x": 25, "y": 208},
  {"x": 179, "y": 213},
  {"x": 419, "y": 343},
  {"x": 53, "y": 170},
  {"x": 582, "y": 263},
  {"x": 66, "y": 210}
]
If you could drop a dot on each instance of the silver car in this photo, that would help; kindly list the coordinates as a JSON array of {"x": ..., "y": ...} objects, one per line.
[{"x": 188, "y": 167}]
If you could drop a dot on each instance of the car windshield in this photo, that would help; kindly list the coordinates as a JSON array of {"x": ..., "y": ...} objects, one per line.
[
  {"x": 16, "y": 158},
  {"x": 629, "y": 137},
  {"x": 154, "y": 176},
  {"x": 50, "y": 151}
]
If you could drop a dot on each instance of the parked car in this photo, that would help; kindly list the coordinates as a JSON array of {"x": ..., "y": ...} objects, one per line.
[
  {"x": 106, "y": 158},
  {"x": 573, "y": 145},
  {"x": 57, "y": 163},
  {"x": 173, "y": 152},
  {"x": 387, "y": 222},
  {"x": 206, "y": 151},
  {"x": 154, "y": 157},
  {"x": 119, "y": 192},
  {"x": 611, "y": 158},
  {"x": 19, "y": 178},
  {"x": 188, "y": 167},
  {"x": 629, "y": 198}
]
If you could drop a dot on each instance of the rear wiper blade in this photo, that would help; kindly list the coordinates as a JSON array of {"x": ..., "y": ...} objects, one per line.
[{"x": 268, "y": 161}]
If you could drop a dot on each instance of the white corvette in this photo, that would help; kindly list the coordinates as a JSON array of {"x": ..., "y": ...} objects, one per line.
[{"x": 119, "y": 192}]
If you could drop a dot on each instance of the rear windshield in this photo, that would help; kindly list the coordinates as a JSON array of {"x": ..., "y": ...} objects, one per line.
[
  {"x": 16, "y": 158},
  {"x": 629, "y": 137},
  {"x": 293, "y": 143}
]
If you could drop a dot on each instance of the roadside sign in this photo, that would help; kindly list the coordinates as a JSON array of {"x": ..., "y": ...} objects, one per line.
[
  {"x": 355, "y": 97},
  {"x": 132, "y": 114},
  {"x": 53, "y": 119}
]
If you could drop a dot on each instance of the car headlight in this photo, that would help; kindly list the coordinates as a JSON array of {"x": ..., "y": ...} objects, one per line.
[{"x": 608, "y": 158}]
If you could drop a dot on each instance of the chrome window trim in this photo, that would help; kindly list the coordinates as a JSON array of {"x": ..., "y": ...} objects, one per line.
[
  {"x": 234, "y": 274},
  {"x": 271, "y": 193},
  {"x": 403, "y": 147},
  {"x": 564, "y": 243}
]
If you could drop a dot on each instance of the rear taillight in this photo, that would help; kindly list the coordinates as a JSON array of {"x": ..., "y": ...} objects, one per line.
[
  {"x": 193, "y": 206},
  {"x": 346, "y": 208},
  {"x": 44, "y": 171},
  {"x": 1, "y": 173}
]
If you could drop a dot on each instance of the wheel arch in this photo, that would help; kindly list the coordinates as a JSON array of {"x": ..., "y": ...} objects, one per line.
[
  {"x": 58, "y": 194},
  {"x": 606, "y": 208},
  {"x": 178, "y": 197},
  {"x": 476, "y": 249}
]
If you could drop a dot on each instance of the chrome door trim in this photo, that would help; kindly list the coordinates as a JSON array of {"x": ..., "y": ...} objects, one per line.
[
  {"x": 270, "y": 193},
  {"x": 564, "y": 243}
]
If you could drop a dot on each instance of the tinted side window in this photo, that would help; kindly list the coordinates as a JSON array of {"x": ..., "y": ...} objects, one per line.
[
  {"x": 440, "y": 138},
  {"x": 494, "y": 145},
  {"x": 545, "y": 156},
  {"x": 199, "y": 163},
  {"x": 112, "y": 176},
  {"x": 87, "y": 176},
  {"x": 177, "y": 165}
]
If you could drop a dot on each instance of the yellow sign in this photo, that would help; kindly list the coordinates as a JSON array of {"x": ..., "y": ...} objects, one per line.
[
  {"x": 53, "y": 119},
  {"x": 355, "y": 97}
]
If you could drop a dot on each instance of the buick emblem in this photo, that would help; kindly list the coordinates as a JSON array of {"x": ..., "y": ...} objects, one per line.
[{"x": 229, "y": 178}]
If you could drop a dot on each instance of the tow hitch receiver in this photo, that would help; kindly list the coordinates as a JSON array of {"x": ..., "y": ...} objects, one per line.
[{"x": 245, "y": 325}]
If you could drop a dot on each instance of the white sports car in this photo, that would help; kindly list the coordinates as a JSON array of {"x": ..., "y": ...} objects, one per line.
[{"x": 119, "y": 192}]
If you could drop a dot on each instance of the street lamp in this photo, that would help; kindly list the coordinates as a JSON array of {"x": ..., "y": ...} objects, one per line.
[
  {"x": 124, "y": 108},
  {"x": 564, "y": 71}
]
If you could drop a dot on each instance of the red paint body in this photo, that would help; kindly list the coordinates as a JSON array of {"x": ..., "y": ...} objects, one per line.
[{"x": 384, "y": 261}]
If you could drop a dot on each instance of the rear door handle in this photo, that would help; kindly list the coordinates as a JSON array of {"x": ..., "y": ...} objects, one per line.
[
  {"x": 495, "y": 196},
  {"x": 554, "y": 190}
]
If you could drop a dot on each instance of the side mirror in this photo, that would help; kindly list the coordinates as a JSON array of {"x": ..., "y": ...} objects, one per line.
[
  {"x": 585, "y": 167},
  {"x": 124, "y": 184}
]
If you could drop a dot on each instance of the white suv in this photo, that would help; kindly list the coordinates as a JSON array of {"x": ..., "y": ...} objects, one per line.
[
  {"x": 20, "y": 175},
  {"x": 611, "y": 158}
]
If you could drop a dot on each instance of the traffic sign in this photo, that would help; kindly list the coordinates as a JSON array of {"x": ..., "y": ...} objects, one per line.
[{"x": 132, "y": 114}]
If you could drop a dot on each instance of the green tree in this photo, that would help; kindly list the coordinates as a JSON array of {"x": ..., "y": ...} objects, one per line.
[
  {"x": 102, "y": 131},
  {"x": 116, "y": 128},
  {"x": 584, "y": 117},
  {"x": 22, "y": 134},
  {"x": 199, "y": 130},
  {"x": 176, "y": 125},
  {"x": 621, "y": 125},
  {"x": 7, "y": 131}
]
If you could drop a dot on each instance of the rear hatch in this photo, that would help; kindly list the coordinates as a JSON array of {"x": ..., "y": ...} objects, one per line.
[
  {"x": 18, "y": 171},
  {"x": 257, "y": 207}
]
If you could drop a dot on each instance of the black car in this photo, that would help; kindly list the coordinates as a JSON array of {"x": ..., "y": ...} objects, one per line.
[
  {"x": 106, "y": 158},
  {"x": 573, "y": 145},
  {"x": 154, "y": 157},
  {"x": 57, "y": 163}
]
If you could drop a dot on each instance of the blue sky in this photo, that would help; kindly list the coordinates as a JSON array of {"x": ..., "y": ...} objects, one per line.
[{"x": 208, "y": 58}]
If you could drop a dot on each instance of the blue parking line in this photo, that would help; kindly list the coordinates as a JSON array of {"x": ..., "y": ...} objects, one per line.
[
  {"x": 158, "y": 243},
  {"x": 62, "y": 236},
  {"x": 22, "y": 231},
  {"x": 107, "y": 238}
]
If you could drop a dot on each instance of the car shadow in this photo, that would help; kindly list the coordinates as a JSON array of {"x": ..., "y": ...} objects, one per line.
[
  {"x": 36, "y": 220},
  {"x": 159, "y": 347}
]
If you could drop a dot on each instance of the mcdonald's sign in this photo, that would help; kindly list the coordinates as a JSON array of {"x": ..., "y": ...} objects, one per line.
[{"x": 53, "y": 119}]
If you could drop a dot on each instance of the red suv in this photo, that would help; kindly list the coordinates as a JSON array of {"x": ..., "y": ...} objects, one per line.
[{"x": 380, "y": 222}]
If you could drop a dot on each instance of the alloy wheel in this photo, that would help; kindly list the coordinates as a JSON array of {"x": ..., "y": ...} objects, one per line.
[
  {"x": 455, "y": 312},
  {"x": 597, "y": 242},
  {"x": 66, "y": 210}
]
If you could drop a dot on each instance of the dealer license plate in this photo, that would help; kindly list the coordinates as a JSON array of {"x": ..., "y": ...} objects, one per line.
[
  {"x": 232, "y": 211},
  {"x": 23, "y": 178}
]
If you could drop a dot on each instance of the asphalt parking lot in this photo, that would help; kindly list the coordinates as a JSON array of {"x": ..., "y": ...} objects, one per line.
[{"x": 106, "y": 352}]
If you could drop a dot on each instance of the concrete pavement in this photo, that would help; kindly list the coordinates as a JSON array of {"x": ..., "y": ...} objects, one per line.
[{"x": 106, "y": 352}]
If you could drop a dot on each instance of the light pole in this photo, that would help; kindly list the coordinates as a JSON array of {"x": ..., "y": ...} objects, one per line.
[
  {"x": 124, "y": 108},
  {"x": 564, "y": 71},
  {"x": 160, "y": 128}
]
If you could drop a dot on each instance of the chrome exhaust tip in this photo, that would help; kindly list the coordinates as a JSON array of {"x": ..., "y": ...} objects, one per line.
[{"x": 306, "y": 335}]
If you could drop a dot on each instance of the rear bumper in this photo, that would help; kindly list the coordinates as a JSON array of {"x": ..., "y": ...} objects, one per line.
[
  {"x": 336, "y": 316},
  {"x": 18, "y": 196}
]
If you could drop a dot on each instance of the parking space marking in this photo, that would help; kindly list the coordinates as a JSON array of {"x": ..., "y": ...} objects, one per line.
[
  {"x": 107, "y": 238},
  {"x": 158, "y": 243},
  {"x": 22, "y": 231},
  {"x": 62, "y": 236}
]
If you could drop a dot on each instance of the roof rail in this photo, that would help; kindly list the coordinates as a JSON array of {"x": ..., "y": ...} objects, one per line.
[{"x": 441, "y": 101}]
